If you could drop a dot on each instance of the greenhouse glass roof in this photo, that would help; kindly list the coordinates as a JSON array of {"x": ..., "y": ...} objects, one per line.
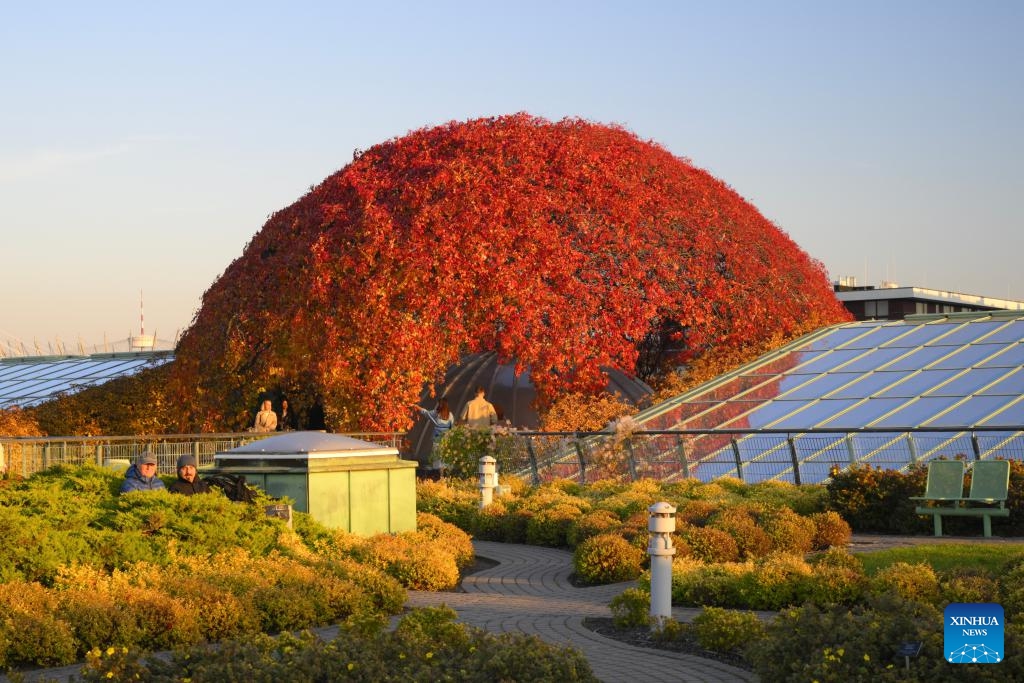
[
  {"x": 961, "y": 373},
  {"x": 28, "y": 381}
]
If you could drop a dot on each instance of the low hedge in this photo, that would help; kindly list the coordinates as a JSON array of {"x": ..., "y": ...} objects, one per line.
[
  {"x": 427, "y": 645},
  {"x": 874, "y": 500}
]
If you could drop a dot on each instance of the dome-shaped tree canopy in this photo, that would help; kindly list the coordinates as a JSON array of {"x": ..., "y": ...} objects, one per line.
[{"x": 562, "y": 245}]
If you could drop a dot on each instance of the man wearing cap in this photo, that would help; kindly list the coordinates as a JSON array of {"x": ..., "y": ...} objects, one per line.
[
  {"x": 188, "y": 483},
  {"x": 142, "y": 475}
]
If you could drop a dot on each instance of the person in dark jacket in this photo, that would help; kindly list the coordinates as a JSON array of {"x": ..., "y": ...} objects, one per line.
[
  {"x": 142, "y": 475},
  {"x": 188, "y": 481}
]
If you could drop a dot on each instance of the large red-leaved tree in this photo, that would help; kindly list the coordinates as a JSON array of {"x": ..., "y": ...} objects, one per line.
[{"x": 562, "y": 245}]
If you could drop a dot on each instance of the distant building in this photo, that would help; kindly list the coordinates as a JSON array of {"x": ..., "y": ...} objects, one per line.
[{"x": 892, "y": 302}]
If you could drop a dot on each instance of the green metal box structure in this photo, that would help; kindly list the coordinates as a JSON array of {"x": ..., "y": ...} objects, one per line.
[{"x": 342, "y": 482}]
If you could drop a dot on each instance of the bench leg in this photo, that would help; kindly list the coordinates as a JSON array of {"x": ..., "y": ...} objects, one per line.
[
  {"x": 938, "y": 524},
  {"x": 987, "y": 525}
]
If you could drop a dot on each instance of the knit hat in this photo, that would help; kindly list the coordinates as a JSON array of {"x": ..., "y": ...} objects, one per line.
[
  {"x": 186, "y": 460},
  {"x": 147, "y": 458}
]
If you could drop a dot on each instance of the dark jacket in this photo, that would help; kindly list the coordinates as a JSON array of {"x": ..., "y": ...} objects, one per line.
[
  {"x": 187, "y": 488},
  {"x": 134, "y": 481}
]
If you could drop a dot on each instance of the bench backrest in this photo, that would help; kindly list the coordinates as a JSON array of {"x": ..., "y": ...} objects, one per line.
[
  {"x": 945, "y": 480},
  {"x": 990, "y": 480}
]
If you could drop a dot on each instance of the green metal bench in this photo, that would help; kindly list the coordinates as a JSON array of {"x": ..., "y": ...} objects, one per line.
[{"x": 990, "y": 483}]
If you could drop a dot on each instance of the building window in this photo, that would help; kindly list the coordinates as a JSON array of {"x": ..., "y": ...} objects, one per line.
[{"x": 876, "y": 309}]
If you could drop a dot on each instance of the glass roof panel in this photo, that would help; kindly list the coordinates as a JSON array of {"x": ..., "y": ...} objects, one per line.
[
  {"x": 874, "y": 359},
  {"x": 971, "y": 411},
  {"x": 968, "y": 383},
  {"x": 922, "y": 334},
  {"x": 869, "y": 384},
  {"x": 864, "y": 413},
  {"x": 768, "y": 413},
  {"x": 1012, "y": 385},
  {"x": 787, "y": 361},
  {"x": 916, "y": 412},
  {"x": 831, "y": 360},
  {"x": 1012, "y": 332},
  {"x": 879, "y": 336},
  {"x": 1011, "y": 357},
  {"x": 814, "y": 414},
  {"x": 722, "y": 415},
  {"x": 917, "y": 384},
  {"x": 30, "y": 381},
  {"x": 840, "y": 336},
  {"x": 1011, "y": 417},
  {"x": 969, "y": 333},
  {"x": 920, "y": 358},
  {"x": 733, "y": 387},
  {"x": 967, "y": 356},
  {"x": 816, "y": 386}
]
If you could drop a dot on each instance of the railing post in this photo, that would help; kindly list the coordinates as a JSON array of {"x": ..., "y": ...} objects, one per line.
[
  {"x": 796, "y": 461},
  {"x": 630, "y": 459},
  {"x": 46, "y": 456},
  {"x": 976, "y": 446},
  {"x": 581, "y": 459},
  {"x": 661, "y": 524},
  {"x": 739, "y": 460},
  {"x": 99, "y": 454},
  {"x": 850, "y": 450},
  {"x": 534, "y": 472},
  {"x": 683, "y": 459},
  {"x": 195, "y": 454},
  {"x": 912, "y": 448}
]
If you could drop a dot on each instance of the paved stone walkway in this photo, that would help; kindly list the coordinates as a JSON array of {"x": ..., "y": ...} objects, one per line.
[{"x": 529, "y": 592}]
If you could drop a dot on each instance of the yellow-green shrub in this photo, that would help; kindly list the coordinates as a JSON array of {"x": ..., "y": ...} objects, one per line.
[
  {"x": 790, "y": 533},
  {"x": 30, "y": 629},
  {"x": 778, "y": 580},
  {"x": 607, "y": 558},
  {"x": 740, "y": 522},
  {"x": 830, "y": 530},
  {"x": 710, "y": 545},
  {"x": 909, "y": 581},
  {"x": 450, "y": 536},
  {"x": 726, "y": 630},
  {"x": 591, "y": 524}
]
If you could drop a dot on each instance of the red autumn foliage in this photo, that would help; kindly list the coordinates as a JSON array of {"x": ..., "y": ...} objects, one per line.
[{"x": 561, "y": 245}]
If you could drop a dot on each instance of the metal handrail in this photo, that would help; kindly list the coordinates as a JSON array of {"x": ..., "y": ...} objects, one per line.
[{"x": 26, "y": 455}]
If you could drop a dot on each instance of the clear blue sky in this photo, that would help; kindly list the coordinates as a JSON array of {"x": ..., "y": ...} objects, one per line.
[{"x": 143, "y": 144}]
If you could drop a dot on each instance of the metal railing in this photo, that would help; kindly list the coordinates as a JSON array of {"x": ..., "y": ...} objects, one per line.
[
  {"x": 24, "y": 456},
  {"x": 805, "y": 457},
  {"x": 752, "y": 456}
]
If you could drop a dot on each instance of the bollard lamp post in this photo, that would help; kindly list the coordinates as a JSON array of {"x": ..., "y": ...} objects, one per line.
[
  {"x": 661, "y": 524},
  {"x": 488, "y": 471}
]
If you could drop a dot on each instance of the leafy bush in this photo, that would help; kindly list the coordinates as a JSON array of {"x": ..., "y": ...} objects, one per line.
[
  {"x": 788, "y": 531},
  {"x": 909, "y": 581},
  {"x": 740, "y": 522},
  {"x": 592, "y": 524},
  {"x": 449, "y": 536},
  {"x": 878, "y": 500},
  {"x": 462, "y": 447},
  {"x": 829, "y": 530},
  {"x": 843, "y": 644},
  {"x": 607, "y": 558},
  {"x": 710, "y": 545},
  {"x": 631, "y": 607},
  {"x": 426, "y": 645},
  {"x": 696, "y": 584},
  {"x": 550, "y": 526},
  {"x": 776, "y": 581},
  {"x": 967, "y": 585},
  {"x": 723, "y": 630}
]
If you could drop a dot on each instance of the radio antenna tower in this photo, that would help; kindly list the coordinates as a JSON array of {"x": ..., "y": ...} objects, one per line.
[{"x": 142, "y": 342}]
